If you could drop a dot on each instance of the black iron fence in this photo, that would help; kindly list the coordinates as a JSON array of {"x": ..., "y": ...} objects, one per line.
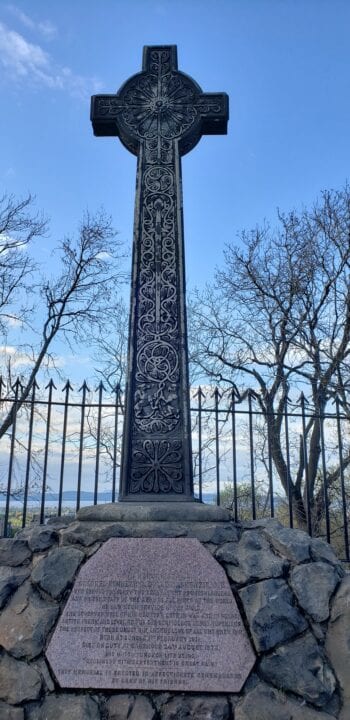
[{"x": 60, "y": 449}]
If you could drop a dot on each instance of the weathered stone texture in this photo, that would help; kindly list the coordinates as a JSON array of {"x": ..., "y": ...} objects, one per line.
[
  {"x": 293, "y": 544},
  {"x": 301, "y": 668},
  {"x": 196, "y": 708},
  {"x": 251, "y": 559},
  {"x": 39, "y": 537},
  {"x": 338, "y": 642},
  {"x": 267, "y": 703},
  {"x": 10, "y": 579},
  {"x": 25, "y": 622},
  {"x": 128, "y": 707},
  {"x": 19, "y": 682},
  {"x": 271, "y": 614},
  {"x": 11, "y": 713},
  {"x": 56, "y": 571},
  {"x": 67, "y": 707},
  {"x": 313, "y": 585},
  {"x": 119, "y": 706},
  {"x": 14, "y": 551}
]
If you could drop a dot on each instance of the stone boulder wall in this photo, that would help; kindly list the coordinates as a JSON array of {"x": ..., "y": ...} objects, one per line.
[{"x": 292, "y": 592}]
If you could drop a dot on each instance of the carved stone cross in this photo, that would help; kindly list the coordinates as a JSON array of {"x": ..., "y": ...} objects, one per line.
[{"x": 159, "y": 115}]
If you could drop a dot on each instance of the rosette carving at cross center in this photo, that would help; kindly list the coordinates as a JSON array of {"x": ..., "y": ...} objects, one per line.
[{"x": 162, "y": 107}]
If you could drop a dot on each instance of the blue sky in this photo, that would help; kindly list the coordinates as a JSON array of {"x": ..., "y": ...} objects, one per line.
[{"x": 284, "y": 63}]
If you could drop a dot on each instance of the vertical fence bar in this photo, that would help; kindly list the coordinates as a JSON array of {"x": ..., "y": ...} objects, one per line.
[
  {"x": 234, "y": 454},
  {"x": 269, "y": 449},
  {"x": 29, "y": 454},
  {"x": 288, "y": 483},
  {"x": 251, "y": 449},
  {"x": 50, "y": 385},
  {"x": 67, "y": 389},
  {"x": 115, "y": 439},
  {"x": 101, "y": 388},
  {"x": 324, "y": 479},
  {"x": 342, "y": 481},
  {"x": 16, "y": 388},
  {"x": 217, "y": 448},
  {"x": 306, "y": 466},
  {"x": 85, "y": 389},
  {"x": 200, "y": 448}
]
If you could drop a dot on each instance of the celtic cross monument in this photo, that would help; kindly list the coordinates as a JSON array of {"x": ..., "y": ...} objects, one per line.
[{"x": 159, "y": 115}]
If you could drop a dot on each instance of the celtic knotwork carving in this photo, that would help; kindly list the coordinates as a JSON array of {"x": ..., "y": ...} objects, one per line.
[
  {"x": 159, "y": 104},
  {"x": 159, "y": 115},
  {"x": 157, "y": 467}
]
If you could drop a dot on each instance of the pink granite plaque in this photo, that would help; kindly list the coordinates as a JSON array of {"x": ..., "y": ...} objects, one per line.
[{"x": 151, "y": 614}]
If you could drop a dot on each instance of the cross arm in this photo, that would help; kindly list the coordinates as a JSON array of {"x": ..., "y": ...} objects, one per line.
[
  {"x": 104, "y": 114},
  {"x": 214, "y": 111}
]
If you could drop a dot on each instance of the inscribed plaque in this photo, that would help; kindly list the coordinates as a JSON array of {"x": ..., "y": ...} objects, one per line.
[{"x": 151, "y": 614}]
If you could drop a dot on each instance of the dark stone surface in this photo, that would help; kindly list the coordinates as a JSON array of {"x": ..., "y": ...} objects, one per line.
[
  {"x": 67, "y": 707},
  {"x": 314, "y": 584},
  {"x": 338, "y": 642},
  {"x": 251, "y": 559},
  {"x": 56, "y": 571},
  {"x": 267, "y": 703},
  {"x": 119, "y": 706},
  {"x": 39, "y": 537},
  {"x": 301, "y": 668},
  {"x": 293, "y": 544},
  {"x": 19, "y": 682},
  {"x": 271, "y": 614},
  {"x": 26, "y": 621},
  {"x": 10, "y": 579},
  {"x": 14, "y": 551},
  {"x": 11, "y": 713},
  {"x": 196, "y": 708}
]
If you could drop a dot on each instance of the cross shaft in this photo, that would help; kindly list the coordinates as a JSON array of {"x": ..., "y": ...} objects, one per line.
[{"x": 159, "y": 115}]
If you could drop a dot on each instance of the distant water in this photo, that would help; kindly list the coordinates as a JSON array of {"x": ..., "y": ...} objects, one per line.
[{"x": 69, "y": 498}]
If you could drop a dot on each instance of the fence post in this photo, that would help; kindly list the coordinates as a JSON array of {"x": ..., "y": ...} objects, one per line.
[
  {"x": 115, "y": 440},
  {"x": 16, "y": 387},
  {"x": 251, "y": 449},
  {"x": 51, "y": 385},
  {"x": 342, "y": 481},
  {"x": 66, "y": 389},
  {"x": 29, "y": 452},
  {"x": 85, "y": 389}
]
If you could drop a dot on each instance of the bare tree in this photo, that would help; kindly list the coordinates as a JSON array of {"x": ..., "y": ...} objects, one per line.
[
  {"x": 277, "y": 321},
  {"x": 78, "y": 303}
]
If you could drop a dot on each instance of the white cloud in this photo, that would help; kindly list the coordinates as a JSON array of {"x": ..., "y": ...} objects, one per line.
[
  {"x": 45, "y": 27},
  {"x": 25, "y": 61}
]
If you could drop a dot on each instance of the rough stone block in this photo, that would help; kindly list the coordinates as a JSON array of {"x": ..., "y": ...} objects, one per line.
[
  {"x": 14, "y": 551},
  {"x": 39, "y": 537},
  {"x": 19, "y": 682},
  {"x": 119, "y": 706},
  {"x": 301, "y": 668},
  {"x": 267, "y": 703},
  {"x": 314, "y": 584},
  {"x": 196, "y": 708},
  {"x": 271, "y": 614},
  {"x": 10, "y": 579},
  {"x": 293, "y": 544},
  {"x": 251, "y": 559},
  {"x": 56, "y": 571},
  {"x": 11, "y": 713},
  {"x": 338, "y": 642},
  {"x": 70, "y": 707},
  {"x": 88, "y": 533},
  {"x": 26, "y": 621}
]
